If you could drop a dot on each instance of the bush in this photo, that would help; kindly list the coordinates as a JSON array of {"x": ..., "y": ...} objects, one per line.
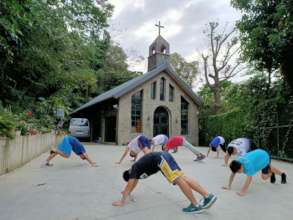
[{"x": 7, "y": 124}]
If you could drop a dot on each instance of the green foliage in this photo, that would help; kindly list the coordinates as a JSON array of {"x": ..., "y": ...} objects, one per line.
[
  {"x": 186, "y": 70},
  {"x": 114, "y": 71},
  {"x": 7, "y": 123},
  {"x": 55, "y": 54},
  {"x": 246, "y": 109},
  {"x": 266, "y": 36}
]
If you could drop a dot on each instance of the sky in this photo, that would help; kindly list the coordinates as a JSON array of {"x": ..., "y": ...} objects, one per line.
[{"x": 132, "y": 26}]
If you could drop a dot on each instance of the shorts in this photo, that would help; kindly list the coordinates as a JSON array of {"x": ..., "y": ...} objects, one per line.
[
  {"x": 214, "y": 148},
  {"x": 169, "y": 167},
  {"x": 77, "y": 147},
  {"x": 143, "y": 142},
  {"x": 267, "y": 169},
  {"x": 220, "y": 145}
]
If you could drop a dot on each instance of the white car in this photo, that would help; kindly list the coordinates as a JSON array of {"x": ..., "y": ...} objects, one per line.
[{"x": 80, "y": 127}]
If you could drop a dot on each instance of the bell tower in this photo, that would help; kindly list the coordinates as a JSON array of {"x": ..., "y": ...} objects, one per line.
[{"x": 159, "y": 51}]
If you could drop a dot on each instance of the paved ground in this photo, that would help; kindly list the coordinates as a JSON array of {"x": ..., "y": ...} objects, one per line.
[{"x": 71, "y": 190}]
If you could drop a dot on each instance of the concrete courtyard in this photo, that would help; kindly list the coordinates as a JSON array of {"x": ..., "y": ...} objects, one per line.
[{"x": 72, "y": 190}]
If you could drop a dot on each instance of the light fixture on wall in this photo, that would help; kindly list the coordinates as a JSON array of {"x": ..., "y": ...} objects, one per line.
[
  {"x": 176, "y": 121},
  {"x": 148, "y": 118}
]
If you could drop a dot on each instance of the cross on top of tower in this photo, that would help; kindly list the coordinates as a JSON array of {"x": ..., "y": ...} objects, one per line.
[{"x": 159, "y": 27}]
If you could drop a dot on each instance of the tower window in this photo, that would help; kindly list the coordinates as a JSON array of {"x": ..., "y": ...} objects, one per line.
[
  {"x": 162, "y": 89},
  {"x": 163, "y": 50},
  {"x": 153, "y": 51}
]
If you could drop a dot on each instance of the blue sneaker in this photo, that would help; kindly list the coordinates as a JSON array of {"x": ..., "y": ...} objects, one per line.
[
  {"x": 208, "y": 201},
  {"x": 193, "y": 208}
]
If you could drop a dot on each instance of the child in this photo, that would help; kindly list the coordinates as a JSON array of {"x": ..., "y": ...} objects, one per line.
[
  {"x": 239, "y": 147},
  {"x": 175, "y": 141},
  {"x": 153, "y": 162},
  {"x": 140, "y": 143},
  {"x": 159, "y": 140},
  {"x": 250, "y": 164},
  {"x": 68, "y": 144},
  {"x": 215, "y": 144}
]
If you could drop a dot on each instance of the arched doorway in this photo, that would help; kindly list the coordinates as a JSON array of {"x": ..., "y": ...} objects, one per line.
[{"x": 161, "y": 121}]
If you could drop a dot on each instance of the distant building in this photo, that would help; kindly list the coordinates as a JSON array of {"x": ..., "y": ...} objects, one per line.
[{"x": 157, "y": 102}]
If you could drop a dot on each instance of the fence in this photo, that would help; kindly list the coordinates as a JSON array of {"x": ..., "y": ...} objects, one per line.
[
  {"x": 278, "y": 140},
  {"x": 22, "y": 149}
]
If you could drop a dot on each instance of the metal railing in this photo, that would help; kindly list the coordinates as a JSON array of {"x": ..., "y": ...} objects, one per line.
[{"x": 278, "y": 140}]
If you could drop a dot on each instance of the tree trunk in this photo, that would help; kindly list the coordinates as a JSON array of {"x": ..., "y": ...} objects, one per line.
[{"x": 217, "y": 99}]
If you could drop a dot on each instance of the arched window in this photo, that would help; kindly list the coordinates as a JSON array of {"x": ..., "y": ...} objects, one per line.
[
  {"x": 171, "y": 93},
  {"x": 136, "y": 111},
  {"x": 163, "y": 50},
  {"x": 184, "y": 116},
  {"x": 153, "y": 90},
  {"x": 162, "y": 89}
]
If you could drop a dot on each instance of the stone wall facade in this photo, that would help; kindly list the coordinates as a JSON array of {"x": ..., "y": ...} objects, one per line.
[{"x": 126, "y": 132}]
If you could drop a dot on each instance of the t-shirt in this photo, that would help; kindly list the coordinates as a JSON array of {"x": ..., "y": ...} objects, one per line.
[
  {"x": 174, "y": 142},
  {"x": 133, "y": 145},
  {"x": 217, "y": 141},
  {"x": 254, "y": 161},
  {"x": 241, "y": 144},
  {"x": 65, "y": 146},
  {"x": 160, "y": 139},
  {"x": 146, "y": 166}
]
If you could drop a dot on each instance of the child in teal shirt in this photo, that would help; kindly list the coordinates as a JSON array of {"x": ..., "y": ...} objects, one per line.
[{"x": 250, "y": 164}]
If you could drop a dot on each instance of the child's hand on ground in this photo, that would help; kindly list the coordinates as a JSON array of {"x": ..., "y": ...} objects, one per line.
[
  {"x": 226, "y": 187},
  {"x": 241, "y": 193},
  {"x": 118, "y": 203},
  {"x": 94, "y": 164}
]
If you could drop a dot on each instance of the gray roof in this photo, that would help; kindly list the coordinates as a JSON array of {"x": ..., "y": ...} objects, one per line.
[{"x": 130, "y": 85}]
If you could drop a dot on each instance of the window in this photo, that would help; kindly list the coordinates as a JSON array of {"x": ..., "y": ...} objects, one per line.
[
  {"x": 136, "y": 111},
  {"x": 153, "y": 90},
  {"x": 184, "y": 116},
  {"x": 162, "y": 88},
  {"x": 171, "y": 93}
]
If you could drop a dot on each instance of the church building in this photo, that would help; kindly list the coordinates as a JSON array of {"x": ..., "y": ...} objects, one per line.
[{"x": 157, "y": 102}]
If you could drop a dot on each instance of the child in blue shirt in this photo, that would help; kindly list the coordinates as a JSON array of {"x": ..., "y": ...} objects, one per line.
[
  {"x": 68, "y": 144},
  {"x": 250, "y": 164},
  {"x": 215, "y": 145}
]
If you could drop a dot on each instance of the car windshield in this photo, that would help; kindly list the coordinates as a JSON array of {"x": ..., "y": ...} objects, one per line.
[{"x": 79, "y": 122}]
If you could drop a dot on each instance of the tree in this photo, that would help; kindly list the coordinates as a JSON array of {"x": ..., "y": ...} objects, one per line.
[
  {"x": 114, "y": 70},
  {"x": 219, "y": 65},
  {"x": 266, "y": 29},
  {"x": 48, "y": 46},
  {"x": 186, "y": 70}
]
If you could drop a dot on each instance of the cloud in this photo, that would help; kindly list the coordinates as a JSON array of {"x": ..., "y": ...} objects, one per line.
[{"x": 132, "y": 25}]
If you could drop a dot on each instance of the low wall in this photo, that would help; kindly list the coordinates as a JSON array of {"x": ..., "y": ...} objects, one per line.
[{"x": 22, "y": 149}]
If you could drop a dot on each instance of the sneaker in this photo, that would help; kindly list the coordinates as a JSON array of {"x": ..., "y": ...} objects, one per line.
[
  {"x": 273, "y": 178},
  {"x": 193, "y": 208},
  {"x": 48, "y": 164},
  {"x": 208, "y": 201},
  {"x": 200, "y": 157},
  {"x": 283, "y": 178}
]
